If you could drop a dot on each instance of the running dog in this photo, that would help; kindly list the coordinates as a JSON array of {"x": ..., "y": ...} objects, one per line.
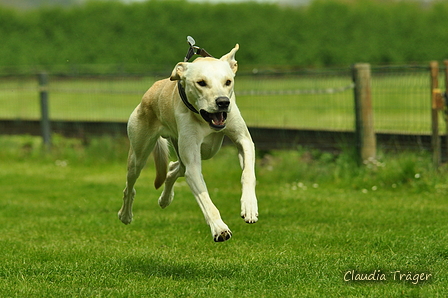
[{"x": 193, "y": 110}]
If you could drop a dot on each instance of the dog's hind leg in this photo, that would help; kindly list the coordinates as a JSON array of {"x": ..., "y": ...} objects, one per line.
[
  {"x": 161, "y": 156},
  {"x": 125, "y": 213},
  {"x": 141, "y": 146},
  {"x": 136, "y": 162},
  {"x": 176, "y": 170}
]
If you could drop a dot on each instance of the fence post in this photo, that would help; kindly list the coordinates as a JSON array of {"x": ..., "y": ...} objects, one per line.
[
  {"x": 365, "y": 131},
  {"x": 45, "y": 118},
  {"x": 435, "y": 105},
  {"x": 446, "y": 111}
]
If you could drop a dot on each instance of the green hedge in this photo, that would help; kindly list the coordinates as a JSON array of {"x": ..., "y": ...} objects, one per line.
[{"x": 153, "y": 33}]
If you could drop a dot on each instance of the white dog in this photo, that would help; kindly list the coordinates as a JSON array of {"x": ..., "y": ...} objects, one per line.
[{"x": 193, "y": 109}]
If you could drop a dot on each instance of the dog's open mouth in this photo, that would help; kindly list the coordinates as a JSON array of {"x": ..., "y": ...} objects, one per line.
[{"x": 215, "y": 120}]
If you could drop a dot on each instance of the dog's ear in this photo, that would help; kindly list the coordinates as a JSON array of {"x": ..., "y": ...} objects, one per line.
[
  {"x": 230, "y": 57},
  {"x": 178, "y": 71}
]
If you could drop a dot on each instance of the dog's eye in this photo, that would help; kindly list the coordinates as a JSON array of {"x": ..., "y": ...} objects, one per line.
[
  {"x": 202, "y": 83},
  {"x": 228, "y": 82}
]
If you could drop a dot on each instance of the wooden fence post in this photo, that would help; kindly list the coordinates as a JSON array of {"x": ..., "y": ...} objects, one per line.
[
  {"x": 45, "y": 118},
  {"x": 365, "y": 131},
  {"x": 446, "y": 112},
  {"x": 435, "y": 106}
]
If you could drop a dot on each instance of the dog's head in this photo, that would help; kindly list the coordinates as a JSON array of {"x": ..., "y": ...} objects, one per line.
[{"x": 208, "y": 84}]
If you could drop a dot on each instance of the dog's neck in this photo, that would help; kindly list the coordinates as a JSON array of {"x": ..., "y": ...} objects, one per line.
[{"x": 184, "y": 98}]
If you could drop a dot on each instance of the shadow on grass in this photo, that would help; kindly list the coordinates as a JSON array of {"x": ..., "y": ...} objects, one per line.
[{"x": 180, "y": 270}]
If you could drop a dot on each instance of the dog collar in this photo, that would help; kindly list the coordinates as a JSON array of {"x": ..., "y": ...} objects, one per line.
[
  {"x": 193, "y": 50},
  {"x": 184, "y": 98}
]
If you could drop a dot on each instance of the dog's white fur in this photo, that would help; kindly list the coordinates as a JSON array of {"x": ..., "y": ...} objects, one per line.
[{"x": 162, "y": 116}]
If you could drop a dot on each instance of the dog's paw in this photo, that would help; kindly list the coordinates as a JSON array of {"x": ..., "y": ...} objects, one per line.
[
  {"x": 250, "y": 219},
  {"x": 225, "y": 235},
  {"x": 125, "y": 217},
  {"x": 220, "y": 231},
  {"x": 165, "y": 200},
  {"x": 125, "y": 213},
  {"x": 249, "y": 212}
]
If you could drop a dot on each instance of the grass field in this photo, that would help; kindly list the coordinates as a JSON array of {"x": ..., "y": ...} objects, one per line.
[
  {"x": 321, "y": 218},
  {"x": 401, "y": 101}
]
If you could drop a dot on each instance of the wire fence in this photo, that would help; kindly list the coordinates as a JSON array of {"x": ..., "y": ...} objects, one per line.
[
  {"x": 401, "y": 99},
  {"x": 318, "y": 99}
]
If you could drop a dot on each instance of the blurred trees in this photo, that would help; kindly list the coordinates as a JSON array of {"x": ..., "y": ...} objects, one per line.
[{"x": 153, "y": 33}]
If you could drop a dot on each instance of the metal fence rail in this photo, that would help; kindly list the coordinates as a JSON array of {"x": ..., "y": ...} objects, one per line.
[
  {"x": 319, "y": 101},
  {"x": 295, "y": 91},
  {"x": 264, "y": 138}
]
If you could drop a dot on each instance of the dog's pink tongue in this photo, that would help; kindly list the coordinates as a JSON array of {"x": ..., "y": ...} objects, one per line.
[{"x": 218, "y": 119}]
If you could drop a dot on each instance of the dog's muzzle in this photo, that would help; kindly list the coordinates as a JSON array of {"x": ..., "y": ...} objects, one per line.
[{"x": 217, "y": 120}]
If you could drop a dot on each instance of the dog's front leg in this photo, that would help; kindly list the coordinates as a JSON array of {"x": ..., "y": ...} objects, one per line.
[
  {"x": 189, "y": 152},
  {"x": 246, "y": 154},
  {"x": 249, "y": 205}
]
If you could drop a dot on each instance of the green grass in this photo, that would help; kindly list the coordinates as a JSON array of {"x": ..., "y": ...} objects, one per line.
[
  {"x": 401, "y": 101},
  {"x": 320, "y": 216}
]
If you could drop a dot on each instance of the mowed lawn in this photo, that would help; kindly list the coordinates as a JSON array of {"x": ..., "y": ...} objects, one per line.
[
  {"x": 401, "y": 101},
  {"x": 321, "y": 219}
]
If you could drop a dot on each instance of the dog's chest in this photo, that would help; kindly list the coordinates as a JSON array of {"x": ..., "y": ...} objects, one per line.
[{"x": 211, "y": 145}]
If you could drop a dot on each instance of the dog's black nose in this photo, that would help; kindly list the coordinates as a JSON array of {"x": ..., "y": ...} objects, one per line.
[{"x": 223, "y": 102}]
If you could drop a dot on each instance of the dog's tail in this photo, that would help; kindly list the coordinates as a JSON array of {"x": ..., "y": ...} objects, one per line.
[{"x": 161, "y": 155}]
